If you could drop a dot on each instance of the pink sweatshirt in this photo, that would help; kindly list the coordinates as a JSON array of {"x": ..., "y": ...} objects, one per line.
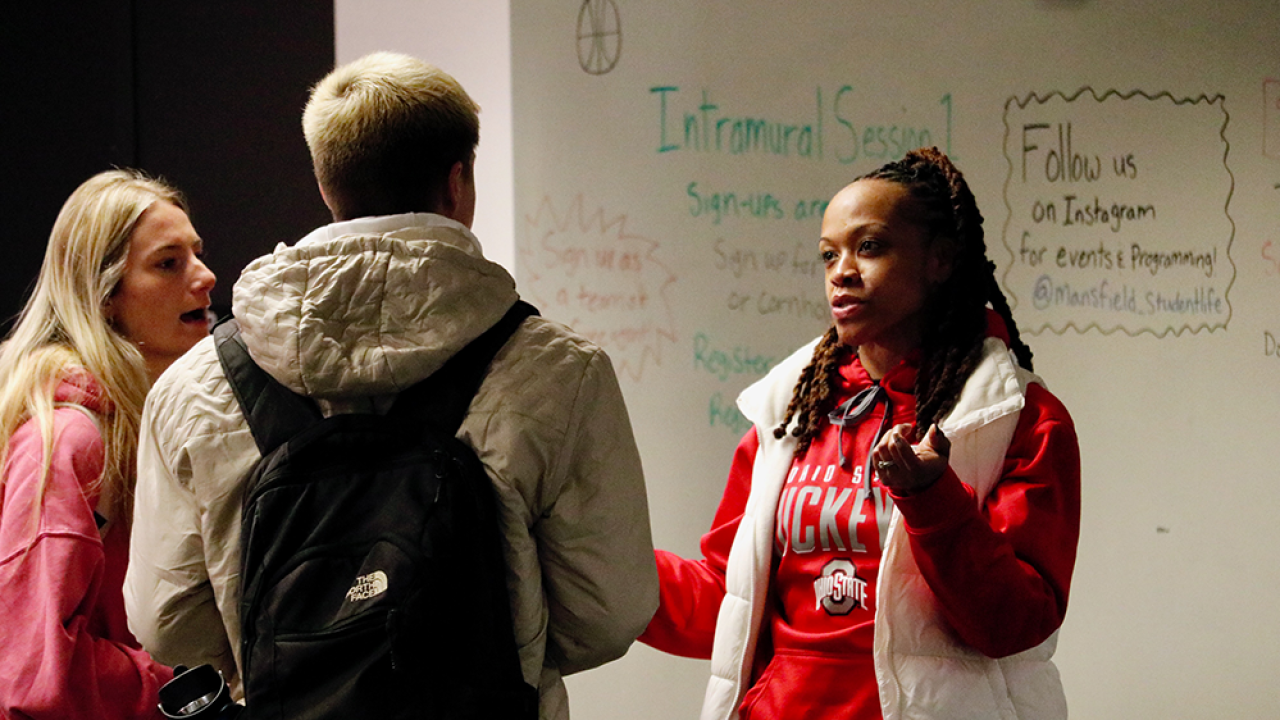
[{"x": 65, "y": 651}]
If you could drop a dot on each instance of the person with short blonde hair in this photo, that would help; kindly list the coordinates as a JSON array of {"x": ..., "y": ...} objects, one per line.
[
  {"x": 384, "y": 133},
  {"x": 356, "y": 312},
  {"x": 121, "y": 293}
]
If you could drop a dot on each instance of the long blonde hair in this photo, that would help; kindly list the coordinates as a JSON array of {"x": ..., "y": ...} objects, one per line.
[{"x": 64, "y": 329}]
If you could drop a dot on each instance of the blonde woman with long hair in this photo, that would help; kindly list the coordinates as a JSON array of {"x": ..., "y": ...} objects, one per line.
[{"x": 121, "y": 294}]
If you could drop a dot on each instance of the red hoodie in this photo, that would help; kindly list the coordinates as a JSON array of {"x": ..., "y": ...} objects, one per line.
[
  {"x": 65, "y": 650},
  {"x": 1000, "y": 573}
]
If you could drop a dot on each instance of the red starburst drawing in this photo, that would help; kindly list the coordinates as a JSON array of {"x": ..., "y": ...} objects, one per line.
[{"x": 584, "y": 269}]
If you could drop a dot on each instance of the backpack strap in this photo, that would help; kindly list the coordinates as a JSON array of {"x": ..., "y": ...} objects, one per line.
[
  {"x": 441, "y": 400},
  {"x": 275, "y": 414}
]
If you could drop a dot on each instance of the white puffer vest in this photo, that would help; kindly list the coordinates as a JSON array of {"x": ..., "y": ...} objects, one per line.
[{"x": 923, "y": 670}]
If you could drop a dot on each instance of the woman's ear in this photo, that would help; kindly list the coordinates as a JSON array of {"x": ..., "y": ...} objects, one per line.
[{"x": 942, "y": 260}]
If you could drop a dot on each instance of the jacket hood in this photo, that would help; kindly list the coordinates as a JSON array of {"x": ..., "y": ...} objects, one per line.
[
  {"x": 78, "y": 387},
  {"x": 368, "y": 306}
]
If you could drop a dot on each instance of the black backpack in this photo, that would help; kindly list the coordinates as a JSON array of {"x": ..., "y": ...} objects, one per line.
[{"x": 372, "y": 578}]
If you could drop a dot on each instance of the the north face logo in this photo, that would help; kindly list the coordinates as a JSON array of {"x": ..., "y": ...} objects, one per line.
[{"x": 368, "y": 586}]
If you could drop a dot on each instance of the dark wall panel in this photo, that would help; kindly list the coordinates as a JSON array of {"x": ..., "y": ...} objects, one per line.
[
  {"x": 220, "y": 92},
  {"x": 207, "y": 94},
  {"x": 66, "y": 114}
]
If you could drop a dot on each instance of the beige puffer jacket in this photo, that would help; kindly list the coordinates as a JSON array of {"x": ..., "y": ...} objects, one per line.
[{"x": 350, "y": 315}]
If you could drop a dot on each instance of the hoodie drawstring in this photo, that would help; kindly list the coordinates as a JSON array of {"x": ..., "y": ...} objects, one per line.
[{"x": 853, "y": 411}]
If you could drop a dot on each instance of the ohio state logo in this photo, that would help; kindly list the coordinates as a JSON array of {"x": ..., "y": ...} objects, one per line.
[{"x": 839, "y": 589}]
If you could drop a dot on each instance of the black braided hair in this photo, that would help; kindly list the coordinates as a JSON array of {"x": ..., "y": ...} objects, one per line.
[
  {"x": 814, "y": 395},
  {"x": 954, "y": 324}
]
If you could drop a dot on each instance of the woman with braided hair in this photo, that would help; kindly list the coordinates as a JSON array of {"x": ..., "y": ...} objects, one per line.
[{"x": 899, "y": 528}]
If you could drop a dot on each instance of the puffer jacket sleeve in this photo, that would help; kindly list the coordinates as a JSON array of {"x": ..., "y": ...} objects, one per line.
[
  {"x": 594, "y": 541},
  {"x": 169, "y": 598},
  {"x": 692, "y": 589},
  {"x": 59, "y": 656}
]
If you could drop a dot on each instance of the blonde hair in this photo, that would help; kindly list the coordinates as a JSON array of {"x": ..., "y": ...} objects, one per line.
[
  {"x": 384, "y": 132},
  {"x": 63, "y": 329}
]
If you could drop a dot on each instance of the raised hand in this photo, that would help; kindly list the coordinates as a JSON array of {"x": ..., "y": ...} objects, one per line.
[{"x": 905, "y": 468}]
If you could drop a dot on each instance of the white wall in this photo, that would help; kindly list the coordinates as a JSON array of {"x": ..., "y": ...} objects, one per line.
[{"x": 471, "y": 41}]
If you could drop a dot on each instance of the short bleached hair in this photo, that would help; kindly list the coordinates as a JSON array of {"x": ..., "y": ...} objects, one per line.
[{"x": 384, "y": 132}]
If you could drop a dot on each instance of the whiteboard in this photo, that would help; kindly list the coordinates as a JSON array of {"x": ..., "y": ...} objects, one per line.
[{"x": 671, "y": 162}]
